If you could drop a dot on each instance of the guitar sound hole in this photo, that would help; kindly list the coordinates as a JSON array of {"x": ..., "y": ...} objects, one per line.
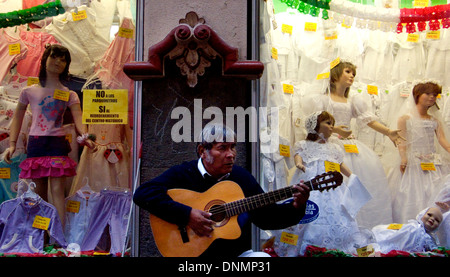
[{"x": 217, "y": 216}]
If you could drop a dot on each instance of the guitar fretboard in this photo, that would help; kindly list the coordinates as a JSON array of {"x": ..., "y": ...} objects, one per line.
[{"x": 257, "y": 201}]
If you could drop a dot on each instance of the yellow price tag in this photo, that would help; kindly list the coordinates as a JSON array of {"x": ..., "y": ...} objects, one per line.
[
  {"x": 372, "y": 90},
  {"x": 32, "y": 81},
  {"x": 365, "y": 251},
  {"x": 125, "y": 33},
  {"x": 274, "y": 53},
  {"x": 287, "y": 29},
  {"x": 433, "y": 35},
  {"x": 395, "y": 226},
  {"x": 41, "y": 222},
  {"x": 331, "y": 166},
  {"x": 288, "y": 238},
  {"x": 310, "y": 26},
  {"x": 427, "y": 166},
  {"x": 61, "y": 95},
  {"x": 14, "y": 49},
  {"x": 80, "y": 15},
  {"x": 5, "y": 173},
  {"x": 351, "y": 148},
  {"x": 420, "y": 3},
  {"x": 413, "y": 38},
  {"x": 285, "y": 150},
  {"x": 322, "y": 76},
  {"x": 288, "y": 88},
  {"x": 73, "y": 206},
  {"x": 332, "y": 36},
  {"x": 334, "y": 63}
]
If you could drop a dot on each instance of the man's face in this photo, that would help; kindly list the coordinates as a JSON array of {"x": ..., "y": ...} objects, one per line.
[{"x": 220, "y": 159}]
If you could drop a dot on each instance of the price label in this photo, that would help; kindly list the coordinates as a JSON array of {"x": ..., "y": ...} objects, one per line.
[
  {"x": 14, "y": 49},
  {"x": 433, "y": 35},
  {"x": 395, "y": 226},
  {"x": 331, "y": 166},
  {"x": 427, "y": 166},
  {"x": 125, "y": 33},
  {"x": 365, "y": 251},
  {"x": 310, "y": 26},
  {"x": 80, "y": 15},
  {"x": 287, "y": 29},
  {"x": 351, "y": 148},
  {"x": 41, "y": 222},
  {"x": 372, "y": 90},
  {"x": 322, "y": 76},
  {"x": 73, "y": 206},
  {"x": 413, "y": 38},
  {"x": 274, "y": 53},
  {"x": 32, "y": 81},
  {"x": 285, "y": 150},
  {"x": 335, "y": 62},
  {"x": 289, "y": 238},
  {"x": 61, "y": 95},
  {"x": 5, "y": 173},
  {"x": 288, "y": 88}
]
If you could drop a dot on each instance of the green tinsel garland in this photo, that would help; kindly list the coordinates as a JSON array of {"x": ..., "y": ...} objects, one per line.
[
  {"x": 36, "y": 13},
  {"x": 311, "y": 7}
]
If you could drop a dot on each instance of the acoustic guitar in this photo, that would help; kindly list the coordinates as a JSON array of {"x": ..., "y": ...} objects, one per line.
[{"x": 225, "y": 200}]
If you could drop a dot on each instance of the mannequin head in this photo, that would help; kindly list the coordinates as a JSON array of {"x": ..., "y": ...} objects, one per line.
[
  {"x": 337, "y": 72},
  {"x": 322, "y": 125},
  {"x": 432, "y": 219},
  {"x": 426, "y": 88},
  {"x": 54, "y": 51}
]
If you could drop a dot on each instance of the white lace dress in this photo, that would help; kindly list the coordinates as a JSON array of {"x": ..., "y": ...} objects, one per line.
[
  {"x": 417, "y": 188},
  {"x": 335, "y": 227},
  {"x": 365, "y": 163}
]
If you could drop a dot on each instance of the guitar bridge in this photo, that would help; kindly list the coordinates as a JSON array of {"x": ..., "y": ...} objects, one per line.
[{"x": 184, "y": 234}]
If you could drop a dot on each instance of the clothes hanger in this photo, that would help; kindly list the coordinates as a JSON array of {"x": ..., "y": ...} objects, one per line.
[{"x": 30, "y": 194}]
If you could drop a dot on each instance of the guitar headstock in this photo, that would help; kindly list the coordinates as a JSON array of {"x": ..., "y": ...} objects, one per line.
[{"x": 326, "y": 181}]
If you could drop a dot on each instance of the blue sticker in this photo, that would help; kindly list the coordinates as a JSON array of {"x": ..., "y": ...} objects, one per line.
[{"x": 311, "y": 212}]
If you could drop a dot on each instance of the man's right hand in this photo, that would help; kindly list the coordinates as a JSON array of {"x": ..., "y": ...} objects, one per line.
[{"x": 200, "y": 223}]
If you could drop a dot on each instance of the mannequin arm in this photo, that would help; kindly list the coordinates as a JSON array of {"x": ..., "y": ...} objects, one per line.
[
  {"x": 14, "y": 130},
  {"x": 394, "y": 135},
  {"x": 401, "y": 123},
  {"x": 345, "y": 170},
  {"x": 441, "y": 137},
  {"x": 299, "y": 162}
]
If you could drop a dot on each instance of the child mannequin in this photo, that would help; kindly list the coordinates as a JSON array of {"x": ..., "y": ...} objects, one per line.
[
  {"x": 414, "y": 186},
  {"x": 336, "y": 225},
  {"x": 47, "y": 150},
  {"x": 359, "y": 158},
  {"x": 415, "y": 236}
]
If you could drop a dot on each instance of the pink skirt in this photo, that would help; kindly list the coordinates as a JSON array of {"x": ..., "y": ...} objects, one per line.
[{"x": 48, "y": 166}]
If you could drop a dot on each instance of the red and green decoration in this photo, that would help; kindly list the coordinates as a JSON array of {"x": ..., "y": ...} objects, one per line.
[
  {"x": 411, "y": 19},
  {"x": 33, "y": 14}
]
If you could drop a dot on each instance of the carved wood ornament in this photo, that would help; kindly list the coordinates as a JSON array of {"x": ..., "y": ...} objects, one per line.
[{"x": 193, "y": 44}]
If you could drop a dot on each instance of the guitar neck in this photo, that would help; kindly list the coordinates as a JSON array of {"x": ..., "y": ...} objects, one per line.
[{"x": 259, "y": 200}]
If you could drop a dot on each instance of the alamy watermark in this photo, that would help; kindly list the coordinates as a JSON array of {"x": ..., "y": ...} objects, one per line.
[{"x": 190, "y": 125}]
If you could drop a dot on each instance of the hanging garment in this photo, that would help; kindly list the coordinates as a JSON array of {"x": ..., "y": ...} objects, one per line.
[
  {"x": 112, "y": 210},
  {"x": 438, "y": 58},
  {"x": 12, "y": 50},
  {"x": 82, "y": 39},
  {"x": 107, "y": 164},
  {"x": 79, "y": 209},
  {"x": 23, "y": 223},
  {"x": 35, "y": 41}
]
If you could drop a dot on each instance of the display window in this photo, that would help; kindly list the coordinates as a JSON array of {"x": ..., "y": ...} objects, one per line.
[
  {"x": 361, "y": 68},
  {"x": 66, "y": 113}
]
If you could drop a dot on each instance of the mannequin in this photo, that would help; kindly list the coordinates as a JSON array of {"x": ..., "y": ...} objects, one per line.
[
  {"x": 47, "y": 150},
  {"x": 335, "y": 225},
  {"x": 415, "y": 236},
  {"x": 360, "y": 159},
  {"x": 420, "y": 175}
]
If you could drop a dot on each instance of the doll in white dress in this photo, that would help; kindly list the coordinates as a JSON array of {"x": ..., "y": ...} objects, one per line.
[
  {"x": 420, "y": 171},
  {"x": 360, "y": 159},
  {"x": 335, "y": 226},
  {"x": 418, "y": 235}
]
